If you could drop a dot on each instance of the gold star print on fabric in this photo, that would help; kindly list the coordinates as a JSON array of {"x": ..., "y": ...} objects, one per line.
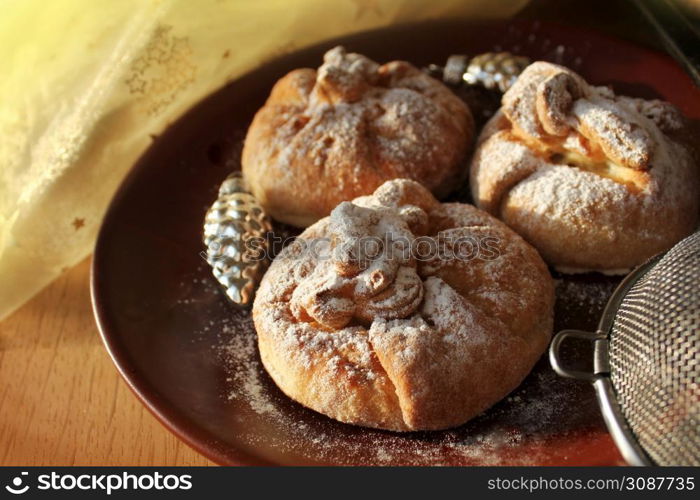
[
  {"x": 364, "y": 7},
  {"x": 163, "y": 70}
]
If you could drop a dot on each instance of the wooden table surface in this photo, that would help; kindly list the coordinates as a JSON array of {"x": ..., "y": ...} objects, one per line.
[{"x": 62, "y": 401}]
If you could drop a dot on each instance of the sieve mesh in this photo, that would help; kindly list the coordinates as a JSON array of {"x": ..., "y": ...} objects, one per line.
[{"x": 654, "y": 346}]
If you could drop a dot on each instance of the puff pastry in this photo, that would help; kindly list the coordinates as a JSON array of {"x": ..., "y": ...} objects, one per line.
[
  {"x": 403, "y": 340},
  {"x": 594, "y": 181},
  {"x": 334, "y": 134}
]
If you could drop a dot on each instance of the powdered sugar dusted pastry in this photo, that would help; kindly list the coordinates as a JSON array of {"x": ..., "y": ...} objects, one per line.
[
  {"x": 594, "y": 181},
  {"x": 334, "y": 134},
  {"x": 402, "y": 313}
]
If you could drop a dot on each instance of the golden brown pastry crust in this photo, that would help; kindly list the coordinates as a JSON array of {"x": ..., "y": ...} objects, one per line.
[
  {"x": 403, "y": 343},
  {"x": 592, "y": 180},
  {"x": 334, "y": 134}
]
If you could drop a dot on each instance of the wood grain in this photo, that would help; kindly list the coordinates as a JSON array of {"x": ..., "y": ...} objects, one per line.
[{"x": 62, "y": 401}]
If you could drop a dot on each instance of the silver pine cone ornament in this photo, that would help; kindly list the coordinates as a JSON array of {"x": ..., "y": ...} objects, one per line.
[
  {"x": 492, "y": 70},
  {"x": 235, "y": 234}
]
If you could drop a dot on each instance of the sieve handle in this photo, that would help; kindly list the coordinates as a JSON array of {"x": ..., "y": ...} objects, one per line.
[{"x": 556, "y": 361}]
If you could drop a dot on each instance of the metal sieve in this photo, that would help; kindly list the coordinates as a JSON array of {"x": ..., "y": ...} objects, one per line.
[{"x": 646, "y": 371}]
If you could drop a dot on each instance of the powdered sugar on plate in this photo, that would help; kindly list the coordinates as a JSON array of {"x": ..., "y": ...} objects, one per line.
[{"x": 529, "y": 427}]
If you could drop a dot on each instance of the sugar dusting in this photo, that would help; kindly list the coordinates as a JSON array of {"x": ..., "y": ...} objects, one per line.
[
  {"x": 401, "y": 365},
  {"x": 339, "y": 131},
  {"x": 528, "y": 427},
  {"x": 520, "y": 430},
  {"x": 238, "y": 351},
  {"x": 567, "y": 161},
  {"x": 529, "y": 416}
]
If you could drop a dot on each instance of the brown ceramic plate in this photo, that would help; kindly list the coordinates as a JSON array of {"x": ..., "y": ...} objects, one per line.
[{"x": 191, "y": 357}]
